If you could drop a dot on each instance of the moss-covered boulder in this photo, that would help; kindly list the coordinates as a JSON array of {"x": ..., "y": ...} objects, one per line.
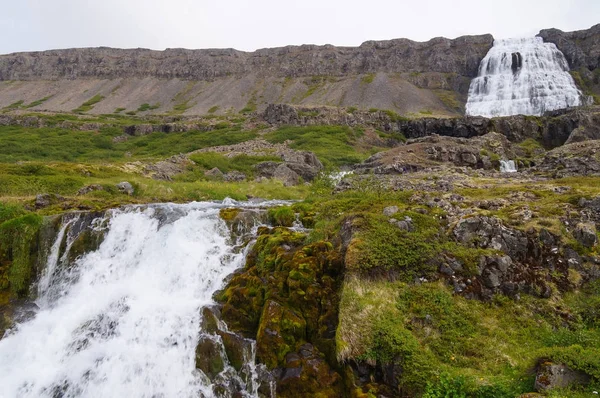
[{"x": 286, "y": 298}]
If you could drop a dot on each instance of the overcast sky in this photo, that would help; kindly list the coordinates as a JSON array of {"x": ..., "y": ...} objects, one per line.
[{"x": 27, "y": 25}]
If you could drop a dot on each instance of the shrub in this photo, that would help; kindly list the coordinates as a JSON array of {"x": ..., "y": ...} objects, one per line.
[{"x": 282, "y": 216}]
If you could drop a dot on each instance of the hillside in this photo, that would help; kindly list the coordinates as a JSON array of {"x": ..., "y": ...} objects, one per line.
[{"x": 407, "y": 76}]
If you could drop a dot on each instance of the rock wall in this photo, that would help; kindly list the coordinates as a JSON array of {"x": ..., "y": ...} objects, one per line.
[
  {"x": 460, "y": 56},
  {"x": 553, "y": 130},
  {"x": 581, "y": 48}
]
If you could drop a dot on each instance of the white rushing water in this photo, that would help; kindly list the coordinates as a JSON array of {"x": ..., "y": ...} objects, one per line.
[
  {"x": 508, "y": 166},
  {"x": 522, "y": 76},
  {"x": 126, "y": 321}
]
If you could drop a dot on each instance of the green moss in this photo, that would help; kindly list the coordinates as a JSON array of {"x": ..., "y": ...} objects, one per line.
[
  {"x": 368, "y": 79},
  {"x": 148, "y": 107},
  {"x": 213, "y": 109},
  {"x": 229, "y": 214},
  {"x": 17, "y": 242},
  {"x": 282, "y": 216}
]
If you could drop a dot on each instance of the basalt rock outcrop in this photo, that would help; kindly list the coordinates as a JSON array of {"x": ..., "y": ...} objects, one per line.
[
  {"x": 460, "y": 56},
  {"x": 552, "y": 130},
  {"x": 581, "y": 48}
]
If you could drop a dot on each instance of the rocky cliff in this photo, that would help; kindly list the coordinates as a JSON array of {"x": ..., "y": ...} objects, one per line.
[
  {"x": 407, "y": 76},
  {"x": 582, "y": 50},
  {"x": 459, "y": 56}
]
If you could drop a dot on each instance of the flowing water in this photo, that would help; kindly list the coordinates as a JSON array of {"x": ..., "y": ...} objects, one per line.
[
  {"x": 522, "y": 76},
  {"x": 508, "y": 166},
  {"x": 123, "y": 321}
]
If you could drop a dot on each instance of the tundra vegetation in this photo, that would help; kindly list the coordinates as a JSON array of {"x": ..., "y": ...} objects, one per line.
[{"x": 363, "y": 284}]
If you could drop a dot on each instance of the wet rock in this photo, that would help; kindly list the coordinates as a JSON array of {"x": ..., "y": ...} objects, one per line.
[
  {"x": 585, "y": 233},
  {"x": 550, "y": 376},
  {"x": 238, "y": 349},
  {"x": 125, "y": 187},
  {"x": 209, "y": 357}
]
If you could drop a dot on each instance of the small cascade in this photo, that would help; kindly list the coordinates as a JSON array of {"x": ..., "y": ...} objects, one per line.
[
  {"x": 127, "y": 320},
  {"x": 508, "y": 166},
  {"x": 522, "y": 76}
]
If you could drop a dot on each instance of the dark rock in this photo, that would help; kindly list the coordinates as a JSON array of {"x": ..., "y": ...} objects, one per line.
[
  {"x": 286, "y": 175},
  {"x": 90, "y": 188},
  {"x": 208, "y": 356},
  {"x": 550, "y": 376},
  {"x": 585, "y": 233},
  {"x": 234, "y": 176},
  {"x": 46, "y": 199},
  {"x": 238, "y": 349}
]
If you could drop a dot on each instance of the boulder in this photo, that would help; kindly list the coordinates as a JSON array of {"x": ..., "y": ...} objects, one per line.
[
  {"x": 550, "y": 376},
  {"x": 585, "y": 233},
  {"x": 125, "y": 187},
  {"x": 47, "y": 199},
  {"x": 390, "y": 211},
  {"x": 286, "y": 175},
  {"x": 90, "y": 188},
  {"x": 234, "y": 176},
  {"x": 209, "y": 357},
  {"x": 214, "y": 173}
]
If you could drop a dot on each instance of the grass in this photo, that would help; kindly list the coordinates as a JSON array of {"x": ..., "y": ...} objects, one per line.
[
  {"x": 14, "y": 105},
  {"x": 493, "y": 346},
  {"x": 148, "y": 107},
  {"x": 368, "y": 79},
  {"x": 213, "y": 109},
  {"x": 89, "y": 104},
  {"x": 55, "y": 144},
  {"x": 37, "y": 102},
  {"x": 242, "y": 163},
  {"x": 334, "y": 146}
]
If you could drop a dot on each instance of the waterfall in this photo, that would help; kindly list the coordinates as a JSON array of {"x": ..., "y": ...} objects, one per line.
[
  {"x": 508, "y": 166},
  {"x": 128, "y": 319},
  {"x": 522, "y": 76}
]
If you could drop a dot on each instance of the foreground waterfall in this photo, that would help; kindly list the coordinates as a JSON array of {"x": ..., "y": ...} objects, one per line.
[
  {"x": 522, "y": 76},
  {"x": 124, "y": 321}
]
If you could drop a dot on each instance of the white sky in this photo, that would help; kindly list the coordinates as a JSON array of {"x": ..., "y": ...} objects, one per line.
[{"x": 27, "y": 25}]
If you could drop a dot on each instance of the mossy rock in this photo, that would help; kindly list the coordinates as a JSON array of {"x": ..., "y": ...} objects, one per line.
[
  {"x": 279, "y": 331},
  {"x": 238, "y": 349},
  {"x": 229, "y": 214},
  {"x": 208, "y": 357}
]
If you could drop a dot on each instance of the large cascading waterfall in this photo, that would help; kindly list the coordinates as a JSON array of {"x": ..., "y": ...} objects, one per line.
[
  {"x": 522, "y": 76},
  {"x": 124, "y": 320}
]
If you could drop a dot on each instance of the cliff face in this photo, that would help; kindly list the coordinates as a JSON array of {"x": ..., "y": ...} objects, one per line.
[
  {"x": 459, "y": 56},
  {"x": 409, "y": 77},
  {"x": 582, "y": 50}
]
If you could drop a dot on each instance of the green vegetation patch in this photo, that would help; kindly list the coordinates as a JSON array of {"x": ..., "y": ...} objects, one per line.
[
  {"x": 148, "y": 107},
  {"x": 242, "y": 163},
  {"x": 335, "y": 146},
  {"x": 38, "y": 102},
  {"x": 18, "y": 246},
  {"x": 89, "y": 104},
  {"x": 55, "y": 144}
]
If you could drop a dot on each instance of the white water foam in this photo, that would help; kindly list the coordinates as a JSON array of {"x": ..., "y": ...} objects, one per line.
[
  {"x": 522, "y": 76},
  {"x": 128, "y": 324}
]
